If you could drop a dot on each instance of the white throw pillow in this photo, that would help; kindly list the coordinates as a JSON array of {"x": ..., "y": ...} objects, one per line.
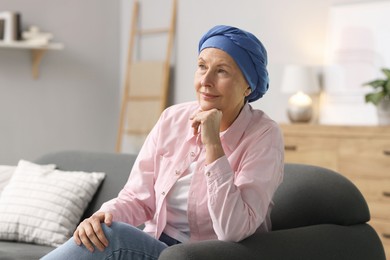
[
  {"x": 6, "y": 172},
  {"x": 42, "y": 205}
]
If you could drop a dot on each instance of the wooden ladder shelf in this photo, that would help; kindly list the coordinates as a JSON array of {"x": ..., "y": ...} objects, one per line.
[{"x": 145, "y": 90}]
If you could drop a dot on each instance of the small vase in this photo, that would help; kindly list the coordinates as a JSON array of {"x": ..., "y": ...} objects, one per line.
[{"x": 383, "y": 110}]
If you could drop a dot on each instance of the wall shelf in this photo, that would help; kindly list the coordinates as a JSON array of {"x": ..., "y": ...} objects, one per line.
[{"x": 37, "y": 52}]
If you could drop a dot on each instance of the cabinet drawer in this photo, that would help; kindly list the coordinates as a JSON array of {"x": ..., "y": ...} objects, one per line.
[
  {"x": 373, "y": 189},
  {"x": 376, "y": 191},
  {"x": 311, "y": 150},
  {"x": 383, "y": 230},
  {"x": 365, "y": 157},
  {"x": 379, "y": 209}
]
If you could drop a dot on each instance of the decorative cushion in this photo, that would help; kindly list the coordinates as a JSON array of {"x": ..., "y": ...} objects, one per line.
[
  {"x": 43, "y": 205},
  {"x": 6, "y": 172}
]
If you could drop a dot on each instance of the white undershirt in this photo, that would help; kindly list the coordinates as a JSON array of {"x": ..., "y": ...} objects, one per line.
[{"x": 177, "y": 204}]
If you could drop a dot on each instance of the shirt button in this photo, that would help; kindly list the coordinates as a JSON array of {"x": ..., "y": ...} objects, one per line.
[
  {"x": 177, "y": 172},
  {"x": 208, "y": 174},
  {"x": 192, "y": 154},
  {"x": 163, "y": 193}
]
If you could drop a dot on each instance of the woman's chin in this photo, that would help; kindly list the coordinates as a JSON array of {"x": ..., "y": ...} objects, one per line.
[{"x": 204, "y": 105}]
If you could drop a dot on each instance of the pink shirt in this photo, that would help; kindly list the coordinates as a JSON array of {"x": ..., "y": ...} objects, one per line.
[{"x": 228, "y": 200}]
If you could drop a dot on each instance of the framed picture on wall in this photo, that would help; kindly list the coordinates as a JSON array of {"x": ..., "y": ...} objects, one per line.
[{"x": 357, "y": 48}]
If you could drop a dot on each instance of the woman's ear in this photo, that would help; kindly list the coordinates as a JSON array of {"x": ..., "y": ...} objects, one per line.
[{"x": 247, "y": 91}]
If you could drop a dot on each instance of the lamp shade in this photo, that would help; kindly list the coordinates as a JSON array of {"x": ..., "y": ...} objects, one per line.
[{"x": 300, "y": 78}]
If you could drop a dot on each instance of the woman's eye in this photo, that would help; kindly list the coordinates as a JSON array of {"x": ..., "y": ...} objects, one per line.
[
  {"x": 222, "y": 71},
  {"x": 201, "y": 66}
]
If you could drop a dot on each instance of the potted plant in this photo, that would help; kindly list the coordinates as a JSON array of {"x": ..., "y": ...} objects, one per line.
[{"x": 380, "y": 97}]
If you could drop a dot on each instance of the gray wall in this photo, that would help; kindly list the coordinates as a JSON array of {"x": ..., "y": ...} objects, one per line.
[
  {"x": 74, "y": 103},
  {"x": 292, "y": 31}
]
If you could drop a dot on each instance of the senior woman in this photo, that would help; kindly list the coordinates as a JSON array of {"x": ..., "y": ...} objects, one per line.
[{"x": 208, "y": 169}]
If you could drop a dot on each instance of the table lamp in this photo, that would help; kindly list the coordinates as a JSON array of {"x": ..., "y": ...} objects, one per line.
[{"x": 302, "y": 82}]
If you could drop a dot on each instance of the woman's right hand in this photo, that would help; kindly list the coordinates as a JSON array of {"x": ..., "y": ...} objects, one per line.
[{"x": 90, "y": 233}]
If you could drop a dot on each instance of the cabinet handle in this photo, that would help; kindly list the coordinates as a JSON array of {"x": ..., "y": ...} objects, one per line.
[
  {"x": 290, "y": 147},
  {"x": 386, "y": 194},
  {"x": 386, "y": 235},
  {"x": 386, "y": 152}
]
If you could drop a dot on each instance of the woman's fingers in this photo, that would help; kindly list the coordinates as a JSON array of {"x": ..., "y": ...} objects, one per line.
[
  {"x": 82, "y": 234},
  {"x": 101, "y": 241},
  {"x": 76, "y": 237},
  {"x": 208, "y": 122},
  {"x": 195, "y": 124},
  {"x": 90, "y": 233},
  {"x": 108, "y": 219}
]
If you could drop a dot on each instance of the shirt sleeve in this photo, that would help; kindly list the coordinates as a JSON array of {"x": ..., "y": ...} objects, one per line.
[
  {"x": 135, "y": 203},
  {"x": 239, "y": 201}
]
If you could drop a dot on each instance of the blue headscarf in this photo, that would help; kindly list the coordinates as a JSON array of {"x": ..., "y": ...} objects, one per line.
[{"x": 246, "y": 50}]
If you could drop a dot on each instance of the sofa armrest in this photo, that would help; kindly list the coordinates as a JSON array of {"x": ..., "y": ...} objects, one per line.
[
  {"x": 320, "y": 242},
  {"x": 311, "y": 195}
]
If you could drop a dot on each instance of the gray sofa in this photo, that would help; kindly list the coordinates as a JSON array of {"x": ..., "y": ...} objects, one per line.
[{"x": 318, "y": 214}]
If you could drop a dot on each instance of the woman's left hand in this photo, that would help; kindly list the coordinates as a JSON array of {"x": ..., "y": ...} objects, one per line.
[{"x": 208, "y": 123}]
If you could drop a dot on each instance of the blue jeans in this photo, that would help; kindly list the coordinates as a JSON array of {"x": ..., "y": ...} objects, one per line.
[{"x": 125, "y": 242}]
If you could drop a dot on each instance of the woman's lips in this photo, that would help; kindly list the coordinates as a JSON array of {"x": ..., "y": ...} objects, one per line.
[{"x": 208, "y": 96}]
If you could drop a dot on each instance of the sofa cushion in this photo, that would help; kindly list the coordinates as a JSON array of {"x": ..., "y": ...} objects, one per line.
[
  {"x": 22, "y": 251},
  {"x": 42, "y": 205}
]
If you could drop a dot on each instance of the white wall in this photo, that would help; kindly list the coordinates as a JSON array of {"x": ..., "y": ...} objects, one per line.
[
  {"x": 292, "y": 31},
  {"x": 74, "y": 103}
]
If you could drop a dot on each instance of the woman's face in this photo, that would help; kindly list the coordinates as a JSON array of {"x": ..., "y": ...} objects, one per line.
[{"x": 219, "y": 83}]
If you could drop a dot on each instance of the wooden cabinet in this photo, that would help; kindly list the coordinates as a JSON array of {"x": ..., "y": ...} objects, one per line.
[{"x": 360, "y": 153}]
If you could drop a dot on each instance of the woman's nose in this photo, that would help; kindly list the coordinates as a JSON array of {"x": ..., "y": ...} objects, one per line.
[{"x": 206, "y": 80}]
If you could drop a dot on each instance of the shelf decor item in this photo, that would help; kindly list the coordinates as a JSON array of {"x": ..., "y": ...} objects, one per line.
[
  {"x": 301, "y": 82},
  {"x": 2, "y": 23},
  {"x": 33, "y": 39},
  {"x": 380, "y": 97},
  {"x": 10, "y": 27},
  {"x": 34, "y": 36}
]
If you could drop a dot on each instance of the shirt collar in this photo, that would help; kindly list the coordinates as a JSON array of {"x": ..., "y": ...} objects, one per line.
[{"x": 233, "y": 134}]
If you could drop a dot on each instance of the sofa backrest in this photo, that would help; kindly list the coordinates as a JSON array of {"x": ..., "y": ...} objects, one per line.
[
  {"x": 116, "y": 166},
  {"x": 309, "y": 195},
  {"x": 312, "y": 195}
]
